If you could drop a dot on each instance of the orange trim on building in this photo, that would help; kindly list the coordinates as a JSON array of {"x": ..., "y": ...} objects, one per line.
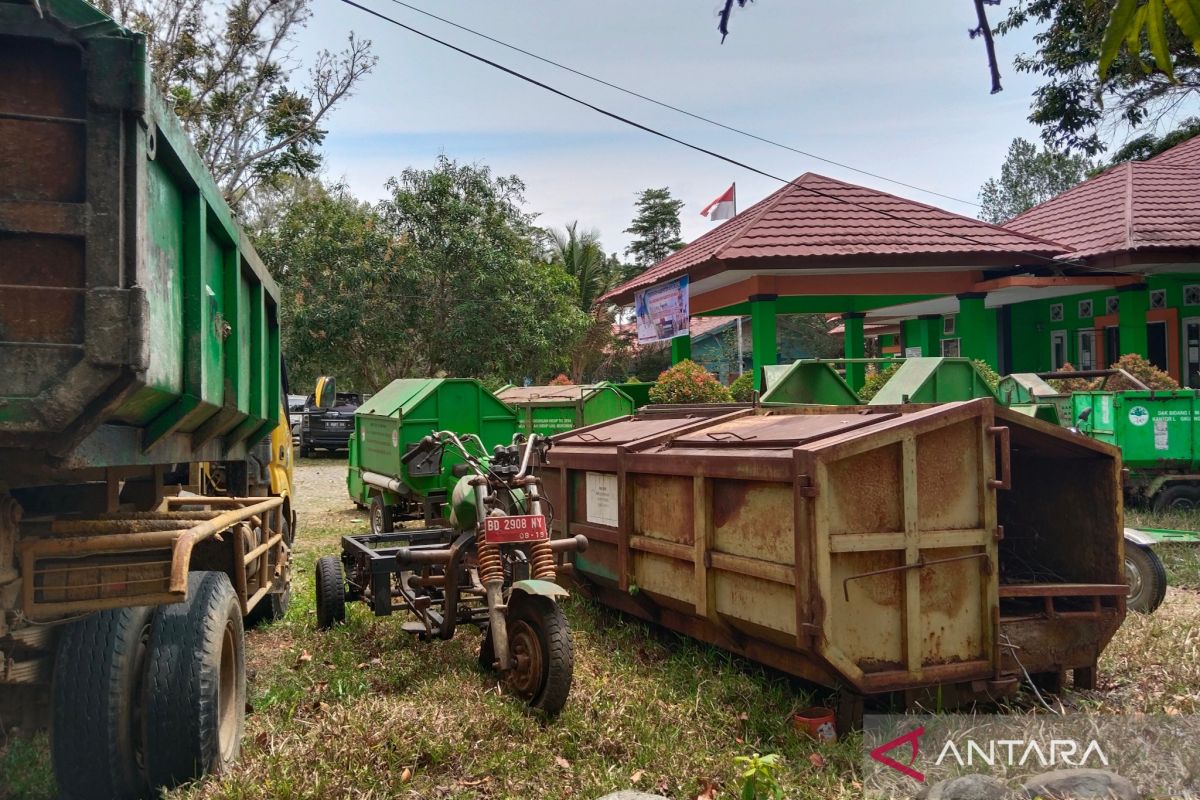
[
  {"x": 1030, "y": 281},
  {"x": 867, "y": 284}
]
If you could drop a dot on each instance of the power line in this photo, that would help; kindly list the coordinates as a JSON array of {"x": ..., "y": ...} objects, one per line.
[{"x": 679, "y": 110}]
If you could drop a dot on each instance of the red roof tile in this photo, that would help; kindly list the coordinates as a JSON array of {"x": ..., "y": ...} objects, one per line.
[
  {"x": 1133, "y": 206},
  {"x": 818, "y": 219}
]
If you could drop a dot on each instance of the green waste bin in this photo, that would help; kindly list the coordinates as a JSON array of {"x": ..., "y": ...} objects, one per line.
[
  {"x": 549, "y": 410},
  {"x": 933, "y": 380},
  {"x": 806, "y": 382},
  {"x": 395, "y": 419},
  {"x": 636, "y": 391}
]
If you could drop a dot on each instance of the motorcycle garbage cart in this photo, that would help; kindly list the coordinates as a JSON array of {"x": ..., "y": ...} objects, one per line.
[{"x": 494, "y": 567}]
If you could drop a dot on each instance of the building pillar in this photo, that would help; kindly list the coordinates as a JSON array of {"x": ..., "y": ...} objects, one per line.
[
  {"x": 681, "y": 348},
  {"x": 854, "y": 346},
  {"x": 1131, "y": 321},
  {"x": 764, "y": 349},
  {"x": 975, "y": 329},
  {"x": 930, "y": 338}
]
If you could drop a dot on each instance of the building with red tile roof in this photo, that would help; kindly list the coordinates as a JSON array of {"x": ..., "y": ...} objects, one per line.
[{"x": 1109, "y": 267}]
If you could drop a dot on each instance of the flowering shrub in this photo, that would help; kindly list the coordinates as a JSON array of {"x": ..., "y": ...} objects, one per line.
[
  {"x": 742, "y": 389},
  {"x": 688, "y": 382},
  {"x": 1141, "y": 369},
  {"x": 1068, "y": 385},
  {"x": 561, "y": 380}
]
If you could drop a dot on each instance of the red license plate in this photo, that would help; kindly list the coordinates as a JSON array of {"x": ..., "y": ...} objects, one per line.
[{"x": 515, "y": 529}]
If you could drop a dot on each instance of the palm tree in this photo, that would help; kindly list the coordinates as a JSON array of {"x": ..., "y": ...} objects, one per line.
[{"x": 581, "y": 255}]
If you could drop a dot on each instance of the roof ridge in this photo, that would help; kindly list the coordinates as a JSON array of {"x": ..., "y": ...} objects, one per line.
[
  {"x": 901, "y": 198},
  {"x": 1129, "y": 204}
]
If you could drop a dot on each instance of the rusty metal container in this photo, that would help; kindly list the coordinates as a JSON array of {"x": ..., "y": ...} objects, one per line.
[{"x": 875, "y": 550}]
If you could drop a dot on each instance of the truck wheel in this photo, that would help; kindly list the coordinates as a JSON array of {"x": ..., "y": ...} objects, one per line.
[
  {"x": 539, "y": 642},
  {"x": 1147, "y": 579},
  {"x": 1178, "y": 497},
  {"x": 331, "y": 592},
  {"x": 96, "y": 720},
  {"x": 195, "y": 690},
  {"x": 381, "y": 516},
  {"x": 272, "y": 607}
]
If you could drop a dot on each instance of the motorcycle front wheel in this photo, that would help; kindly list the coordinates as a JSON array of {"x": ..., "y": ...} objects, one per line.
[{"x": 543, "y": 656}]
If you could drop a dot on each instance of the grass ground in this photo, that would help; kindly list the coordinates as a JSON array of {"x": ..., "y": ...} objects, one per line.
[{"x": 367, "y": 712}]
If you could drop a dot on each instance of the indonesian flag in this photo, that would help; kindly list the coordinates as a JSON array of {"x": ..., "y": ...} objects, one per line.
[{"x": 724, "y": 206}]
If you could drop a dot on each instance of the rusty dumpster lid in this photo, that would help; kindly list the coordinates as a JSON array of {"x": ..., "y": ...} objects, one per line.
[
  {"x": 787, "y": 430},
  {"x": 624, "y": 431}
]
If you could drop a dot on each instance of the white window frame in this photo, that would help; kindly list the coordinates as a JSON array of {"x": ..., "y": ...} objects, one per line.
[
  {"x": 1056, "y": 336},
  {"x": 1159, "y": 293},
  {"x": 1091, "y": 309},
  {"x": 957, "y": 346},
  {"x": 1079, "y": 337},
  {"x": 1186, "y": 289},
  {"x": 948, "y": 325},
  {"x": 1061, "y": 312},
  {"x": 1112, "y": 304},
  {"x": 1183, "y": 347}
]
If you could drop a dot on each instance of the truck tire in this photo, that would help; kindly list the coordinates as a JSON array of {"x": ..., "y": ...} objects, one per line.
[
  {"x": 195, "y": 686},
  {"x": 96, "y": 714},
  {"x": 381, "y": 516},
  {"x": 1146, "y": 577},
  {"x": 272, "y": 607},
  {"x": 331, "y": 593},
  {"x": 1178, "y": 497}
]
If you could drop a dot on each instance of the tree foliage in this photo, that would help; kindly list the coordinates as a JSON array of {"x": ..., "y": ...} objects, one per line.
[
  {"x": 655, "y": 227},
  {"x": 230, "y": 74},
  {"x": 1028, "y": 176},
  {"x": 742, "y": 388},
  {"x": 443, "y": 277},
  {"x": 1076, "y": 103},
  {"x": 1149, "y": 145}
]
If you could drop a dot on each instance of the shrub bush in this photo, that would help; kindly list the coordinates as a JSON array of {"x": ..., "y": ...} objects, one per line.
[
  {"x": 875, "y": 380},
  {"x": 561, "y": 380},
  {"x": 1068, "y": 385},
  {"x": 742, "y": 389},
  {"x": 1141, "y": 369},
  {"x": 688, "y": 382}
]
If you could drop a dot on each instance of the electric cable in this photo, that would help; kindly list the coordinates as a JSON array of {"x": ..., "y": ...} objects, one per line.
[
  {"x": 677, "y": 109},
  {"x": 698, "y": 148}
]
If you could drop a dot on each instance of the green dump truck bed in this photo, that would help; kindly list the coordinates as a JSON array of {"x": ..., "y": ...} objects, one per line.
[
  {"x": 137, "y": 325},
  {"x": 1155, "y": 430}
]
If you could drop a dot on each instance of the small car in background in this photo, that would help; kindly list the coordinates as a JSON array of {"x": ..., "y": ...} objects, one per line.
[{"x": 328, "y": 418}]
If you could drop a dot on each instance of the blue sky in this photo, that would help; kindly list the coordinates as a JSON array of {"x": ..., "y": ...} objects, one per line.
[{"x": 891, "y": 87}]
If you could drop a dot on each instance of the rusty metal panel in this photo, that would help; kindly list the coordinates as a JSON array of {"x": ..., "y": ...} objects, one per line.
[
  {"x": 949, "y": 492},
  {"x": 865, "y": 492},
  {"x": 754, "y": 519},
  {"x": 662, "y": 507},
  {"x": 741, "y": 598},
  {"x": 868, "y": 627},
  {"x": 664, "y": 577}
]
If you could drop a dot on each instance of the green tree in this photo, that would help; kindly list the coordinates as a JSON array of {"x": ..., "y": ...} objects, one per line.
[
  {"x": 1028, "y": 176},
  {"x": 234, "y": 85},
  {"x": 582, "y": 257},
  {"x": 1076, "y": 102},
  {"x": 1149, "y": 145},
  {"x": 655, "y": 227},
  {"x": 477, "y": 298},
  {"x": 340, "y": 274}
]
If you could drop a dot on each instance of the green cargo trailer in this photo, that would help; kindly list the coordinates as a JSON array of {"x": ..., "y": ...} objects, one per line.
[
  {"x": 139, "y": 337},
  {"x": 549, "y": 410},
  {"x": 1158, "y": 437},
  {"x": 394, "y": 420}
]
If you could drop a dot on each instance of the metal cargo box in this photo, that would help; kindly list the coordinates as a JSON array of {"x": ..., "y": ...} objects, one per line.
[
  {"x": 873, "y": 549},
  {"x": 1154, "y": 429},
  {"x": 550, "y": 410}
]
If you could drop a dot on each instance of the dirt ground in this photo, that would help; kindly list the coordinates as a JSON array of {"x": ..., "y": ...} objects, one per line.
[{"x": 321, "y": 498}]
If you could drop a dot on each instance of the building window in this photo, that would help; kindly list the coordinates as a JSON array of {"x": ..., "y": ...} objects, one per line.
[
  {"x": 1158, "y": 298},
  {"x": 1056, "y": 312},
  {"x": 1085, "y": 309},
  {"x": 948, "y": 325},
  {"x": 1112, "y": 304},
  {"x": 1058, "y": 349},
  {"x": 1191, "y": 295},
  {"x": 950, "y": 348}
]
